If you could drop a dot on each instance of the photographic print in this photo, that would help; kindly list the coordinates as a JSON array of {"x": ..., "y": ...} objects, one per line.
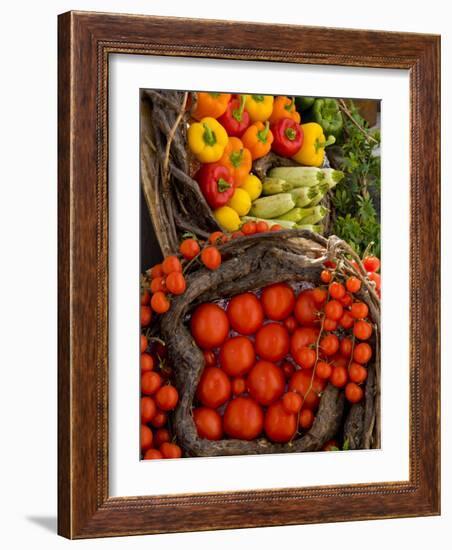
[{"x": 260, "y": 274}]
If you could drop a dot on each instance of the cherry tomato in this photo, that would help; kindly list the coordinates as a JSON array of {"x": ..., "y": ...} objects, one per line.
[
  {"x": 148, "y": 409},
  {"x": 170, "y": 450},
  {"x": 301, "y": 383},
  {"x": 160, "y": 419},
  {"x": 280, "y": 426},
  {"x": 266, "y": 382},
  {"x": 353, "y": 284},
  {"x": 276, "y": 227},
  {"x": 261, "y": 227},
  {"x": 339, "y": 376},
  {"x": 272, "y": 342},
  {"x": 306, "y": 419},
  {"x": 362, "y": 353},
  {"x": 211, "y": 257},
  {"x": 359, "y": 310},
  {"x": 150, "y": 382},
  {"x": 160, "y": 303},
  {"x": 325, "y": 276},
  {"x": 249, "y": 228},
  {"x": 357, "y": 373},
  {"x": 302, "y": 337},
  {"x": 175, "y": 283},
  {"x": 143, "y": 343},
  {"x": 237, "y": 234},
  {"x": 145, "y": 437},
  {"x": 170, "y": 264},
  {"x": 362, "y": 330},
  {"x": 337, "y": 290},
  {"x": 346, "y": 347},
  {"x": 208, "y": 423},
  {"x": 323, "y": 370},
  {"x": 189, "y": 248},
  {"x": 238, "y": 386},
  {"x": 167, "y": 398},
  {"x": 305, "y": 309},
  {"x": 209, "y": 359},
  {"x": 346, "y": 300},
  {"x": 152, "y": 454},
  {"x": 305, "y": 357},
  {"x": 237, "y": 356},
  {"x": 288, "y": 369},
  {"x": 320, "y": 295},
  {"x": 329, "y": 324},
  {"x": 145, "y": 316},
  {"x": 158, "y": 285},
  {"x": 278, "y": 301},
  {"x": 145, "y": 298},
  {"x": 209, "y": 326},
  {"x": 340, "y": 361},
  {"x": 161, "y": 435},
  {"x": 217, "y": 237},
  {"x": 353, "y": 392},
  {"x": 331, "y": 445},
  {"x": 292, "y": 402},
  {"x": 291, "y": 324},
  {"x": 346, "y": 321},
  {"x": 330, "y": 264},
  {"x": 214, "y": 387},
  {"x": 146, "y": 362},
  {"x": 371, "y": 263},
  {"x": 243, "y": 418},
  {"x": 157, "y": 271},
  {"x": 334, "y": 310},
  {"x": 245, "y": 313},
  {"x": 329, "y": 344},
  {"x": 375, "y": 277}
]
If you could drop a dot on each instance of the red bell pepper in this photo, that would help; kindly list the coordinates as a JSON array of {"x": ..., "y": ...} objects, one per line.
[
  {"x": 235, "y": 119},
  {"x": 216, "y": 184},
  {"x": 288, "y": 137}
]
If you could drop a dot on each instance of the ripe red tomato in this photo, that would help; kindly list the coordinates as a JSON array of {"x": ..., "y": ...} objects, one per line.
[
  {"x": 278, "y": 301},
  {"x": 329, "y": 324},
  {"x": 337, "y": 290},
  {"x": 359, "y": 310},
  {"x": 209, "y": 326},
  {"x": 353, "y": 392},
  {"x": 159, "y": 302},
  {"x": 170, "y": 264},
  {"x": 346, "y": 321},
  {"x": 161, "y": 435},
  {"x": 334, "y": 310},
  {"x": 214, "y": 387},
  {"x": 159, "y": 419},
  {"x": 325, "y": 276},
  {"x": 170, "y": 450},
  {"x": 237, "y": 234},
  {"x": 148, "y": 409},
  {"x": 145, "y": 298},
  {"x": 305, "y": 357},
  {"x": 145, "y": 316},
  {"x": 152, "y": 454},
  {"x": 266, "y": 382},
  {"x": 362, "y": 353},
  {"x": 371, "y": 263},
  {"x": 217, "y": 237},
  {"x": 209, "y": 358},
  {"x": 362, "y": 330},
  {"x": 272, "y": 342},
  {"x": 145, "y": 437},
  {"x": 306, "y": 419},
  {"x": 346, "y": 347},
  {"x": 146, "y": 362},
  {"x": 237, "y": 356},
  {"x": 375, "y": 277},
  {"x": 329, "y": 344},
  {"x": 291, "y": 324},
  {"x": 208, "y": 423},
  {"x": 175, "y": 283},
  {"x": 276, "y": 227},
  {"x": 301, "y": 382},
  {"x": 323, "y": 370},
  {"x": 302, "y": 338},
  {"x": 243, "y": 418},
  {"x": 357, "y": 373},
  {"x": 340, "y": 361},
  {"x": 346, "y": 300},
  {"x": 238, "y": 386},
  {"x": 211, "y": 257},
  {"x": 143, "y": 343},
  {"x": 292, "y": 402},
  {"x": 280, "y": 426},
  {"x": 261, "y": 227},
  {"x": 245, "y": 313},
  {"x": 353, "y": 284},
  {"x": 158, "y": 284},
  {"x": 167, "y": 398},
  {"x": 157, "y": 271},
  {"x": 339, "y": 376},
  {"x": 306, "y": 311},
  {"x": 249, "y": 228},
  {"x": 288, "y": 369},
  {"x": 319, "y": 295},
  {"x": 150, "y": 382},
  {"x": 189, "y": 248}
]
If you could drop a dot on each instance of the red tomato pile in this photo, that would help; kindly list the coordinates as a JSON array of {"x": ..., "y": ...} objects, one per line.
[{"x": 269, "y": 358}]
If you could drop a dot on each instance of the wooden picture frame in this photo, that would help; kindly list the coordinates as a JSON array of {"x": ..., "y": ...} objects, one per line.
[{"x": 86, "y": 40}]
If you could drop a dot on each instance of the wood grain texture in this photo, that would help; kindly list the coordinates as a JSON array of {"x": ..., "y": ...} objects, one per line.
[{"x": 85, "y": 42}]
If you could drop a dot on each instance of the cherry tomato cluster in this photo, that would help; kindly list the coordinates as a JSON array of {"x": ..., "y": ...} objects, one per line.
[
  {"x": 269, "y": 357},
  {"x": 158, "y": 398}
]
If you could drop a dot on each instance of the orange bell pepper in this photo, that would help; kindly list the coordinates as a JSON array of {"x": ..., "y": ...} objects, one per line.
[
  {"x": 237, "y": 159},
  {"x": 210, "y": 104},
  {"x": 283, "y": 107},
  {"x": 258, "y": 139}
]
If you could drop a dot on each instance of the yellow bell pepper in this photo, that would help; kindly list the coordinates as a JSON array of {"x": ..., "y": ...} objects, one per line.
[
  {"x": 227, "y": 218},
  {"x": 253, "y": 186},
  {"x": 312, "y": 152},
  {"x": 259, "y": 107},
  {"x": 207, "y": 140},
  {"x": 240, "y": 202}
]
